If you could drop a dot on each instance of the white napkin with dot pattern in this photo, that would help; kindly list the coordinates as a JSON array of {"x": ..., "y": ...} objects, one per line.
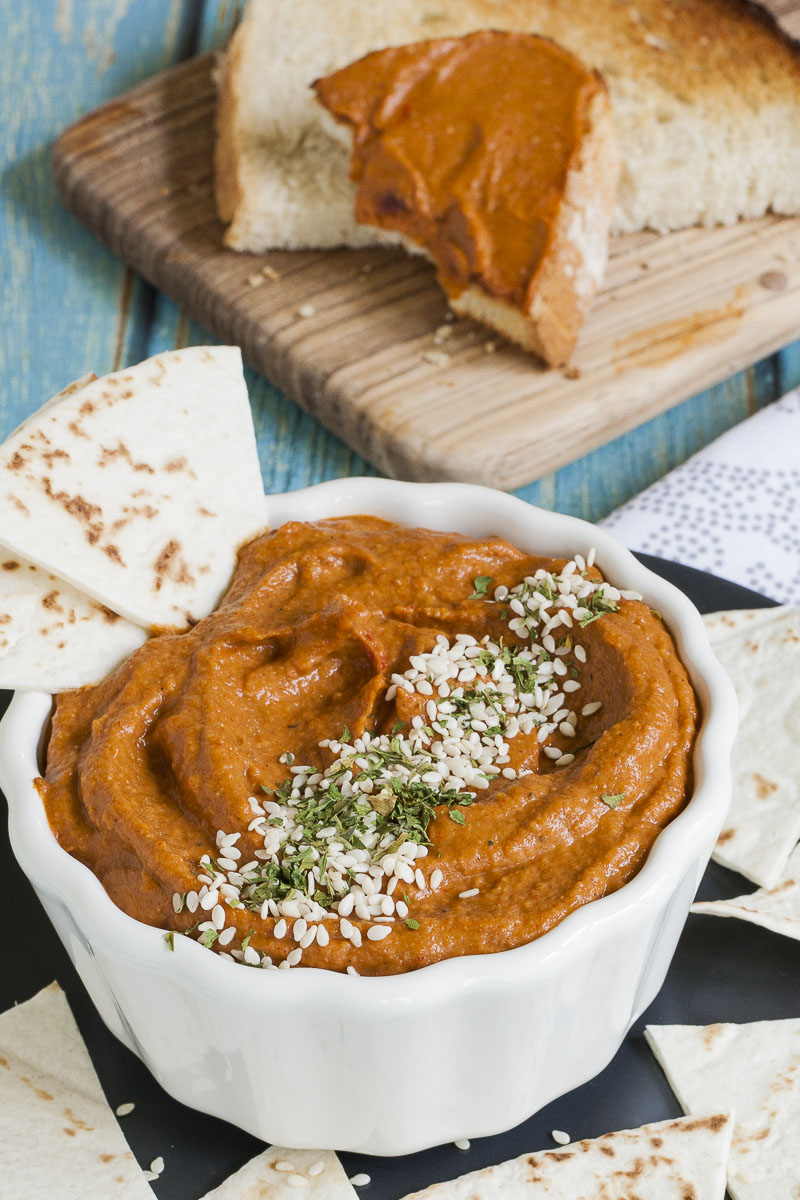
[{"x": 732, "y": 509}]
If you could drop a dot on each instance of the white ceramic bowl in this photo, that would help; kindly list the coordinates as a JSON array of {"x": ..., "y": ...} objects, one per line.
[{"x": 463, "y": 1048}]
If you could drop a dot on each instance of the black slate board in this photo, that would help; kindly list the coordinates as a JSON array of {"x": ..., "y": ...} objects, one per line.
[{"x": 722, "y": 971}]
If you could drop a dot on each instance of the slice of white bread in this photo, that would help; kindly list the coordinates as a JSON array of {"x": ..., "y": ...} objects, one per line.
[
  {"x": 517, "y": 223},
  {"x": 706, "y": 99}
]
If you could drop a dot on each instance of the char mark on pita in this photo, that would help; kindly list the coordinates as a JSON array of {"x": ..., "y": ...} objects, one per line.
[{"x": 140, "y": 487}]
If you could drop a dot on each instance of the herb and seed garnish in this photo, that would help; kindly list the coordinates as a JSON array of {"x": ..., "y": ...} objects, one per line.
[{"x": 339, "y": 840}]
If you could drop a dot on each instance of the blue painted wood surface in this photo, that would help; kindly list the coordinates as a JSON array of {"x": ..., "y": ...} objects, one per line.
[{"x": 67, "y": 305}]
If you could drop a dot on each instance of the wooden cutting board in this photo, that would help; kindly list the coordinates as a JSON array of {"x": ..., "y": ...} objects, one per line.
[{"x": 352, "y": 335}]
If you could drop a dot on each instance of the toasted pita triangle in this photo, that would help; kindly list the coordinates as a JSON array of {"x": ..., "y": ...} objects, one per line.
[
  {"x": 775, "y": 908},
  {"x": 760, "y": 649},
  {"x": 756, "y": 1070},
  {"x": 260, "y": 1179},
  {"x": 139, "y": 488},
  {"x": 57, "y": 1133},
  {"x": 721, "y": 625},
  {"x": 52, "y": 637},
  {"x": 670, "y": 1160}
]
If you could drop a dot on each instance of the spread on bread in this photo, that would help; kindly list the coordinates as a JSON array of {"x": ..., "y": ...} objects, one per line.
[{"x": 495, "y": 154}]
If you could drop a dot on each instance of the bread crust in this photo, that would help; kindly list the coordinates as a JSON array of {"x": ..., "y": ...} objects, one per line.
[
  {"x": 571, "y": 270},
  {"x": 228, "y": 156}
]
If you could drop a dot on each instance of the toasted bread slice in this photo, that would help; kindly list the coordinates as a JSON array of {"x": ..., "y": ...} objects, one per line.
[
  {"x": 493, "y": 153},
  {"x": 705, "y": 93}
]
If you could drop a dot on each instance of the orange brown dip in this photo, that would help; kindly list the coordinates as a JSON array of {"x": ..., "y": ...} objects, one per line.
[
  {"x": 463, "y": 145},
  {"x": 335, "y": 630}
]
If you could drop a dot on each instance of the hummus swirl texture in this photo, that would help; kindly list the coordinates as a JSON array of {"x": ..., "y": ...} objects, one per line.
[{"x": 144, "y": 769}]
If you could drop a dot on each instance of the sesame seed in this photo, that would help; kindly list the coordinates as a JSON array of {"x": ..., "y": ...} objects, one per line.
[
  {"x": 558, "y": 1135},
  {"x": 436, "y": 878},
  {"x": 283, "y": 1164},
  {"x": 306, "y": 310},
  {"x": 280, "y": 929},
  {"x": 462, "y": 1144},
  {"x": 470, "y": 892},
  {"x": 316, "y": 1168},
  {"x": 157, "y": 1166},
  {"x": 298, "y": 1181},
  {"x": 299, "y": 929},
  {"x": 376, "y": 933},
  {"x": 226, "y": 936},
  {"x": 360, "y": 1180},
  {"x": 294, "y": 956},
  {"x": 589, "y": 710},
  {"x": 122, "y": 1110}
]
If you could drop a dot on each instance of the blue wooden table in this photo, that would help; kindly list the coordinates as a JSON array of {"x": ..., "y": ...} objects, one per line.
[{"x": 69, "y": 306}]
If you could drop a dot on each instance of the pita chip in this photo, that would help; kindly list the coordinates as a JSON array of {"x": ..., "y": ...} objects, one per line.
[
  {"x": 279, "y": 1174},
  {"x": 670, "y": 1160},
  {"x": 760, "y": 650},
  {"x": 53, "y": 637},
  {"x": 755, "y": 1069},
  {"x": 57, "y": 1133},
  {"x": 139, "y": 488},
  {"x": 775, "y": 908}
]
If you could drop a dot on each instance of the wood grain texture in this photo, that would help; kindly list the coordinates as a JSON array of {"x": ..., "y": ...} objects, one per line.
[{"x": 676, "y": 312}]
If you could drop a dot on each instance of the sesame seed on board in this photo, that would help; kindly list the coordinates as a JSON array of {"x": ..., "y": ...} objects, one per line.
[{"x": 337, "y": 841}]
